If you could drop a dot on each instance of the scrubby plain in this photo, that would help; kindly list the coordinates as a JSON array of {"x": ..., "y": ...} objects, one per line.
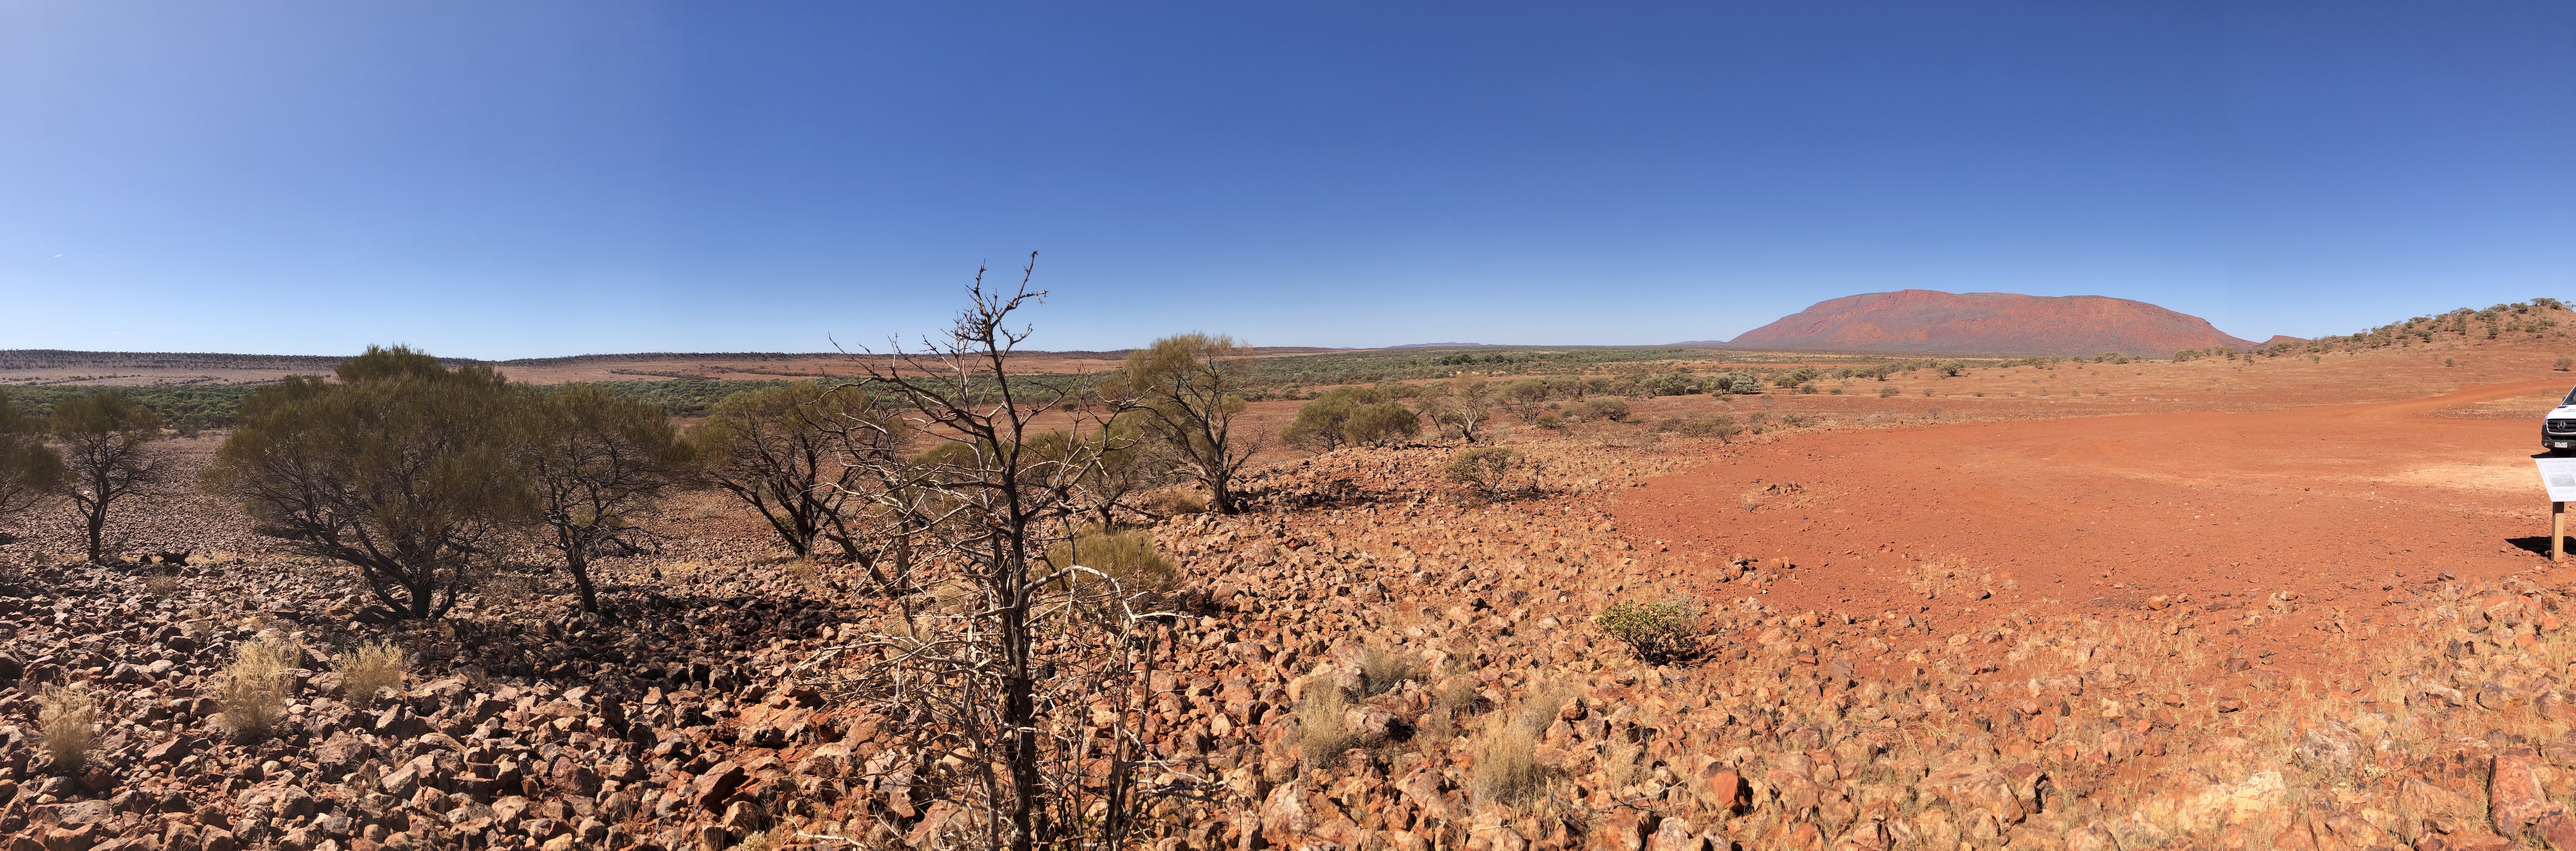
[{"x": 1373, "y": 654}]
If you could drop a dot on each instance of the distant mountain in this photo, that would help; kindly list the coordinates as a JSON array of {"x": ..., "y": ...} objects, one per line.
[
  {"x": 1439, "y": 345},
  {"x": 1928, "y": 322}
]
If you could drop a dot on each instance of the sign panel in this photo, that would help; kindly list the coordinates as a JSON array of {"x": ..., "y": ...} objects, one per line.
[{"x": 2559, "y": 476}]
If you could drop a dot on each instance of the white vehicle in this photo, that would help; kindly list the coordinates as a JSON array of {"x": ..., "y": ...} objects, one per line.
[{"x": 2558, "y": 430}]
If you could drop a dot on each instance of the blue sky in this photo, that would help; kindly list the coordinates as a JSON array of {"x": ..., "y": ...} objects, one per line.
[{"x": 530, "y": 179}]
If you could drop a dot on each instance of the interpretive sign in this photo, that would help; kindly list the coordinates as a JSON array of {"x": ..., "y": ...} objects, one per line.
[{"x": 2559, "y": 476}]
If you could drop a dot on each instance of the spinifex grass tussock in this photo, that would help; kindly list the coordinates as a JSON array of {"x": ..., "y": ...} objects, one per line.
[
  {"x": 1507, "y": 770},
  {"x": 258, "y": 683},
  {"x": 67, "y": 716},
  {"x": 1128, "y": 557},
  {"x": 372, "y": 668},
  {"x": 1322, "y": 730},
  {"x": 1383, "y": 666}
]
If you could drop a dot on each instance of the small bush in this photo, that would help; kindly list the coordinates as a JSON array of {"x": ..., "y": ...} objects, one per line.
[
  {"x": 1487, "y": 469},
  {"x": 1658, "y": 632},
  {"x": 1614, "y": 410},
  {"x": 1888, "y": 392},
  {"x": 372, "y": 668},
  {"x": 257, "y": 683},
  {"x": 67, "y": 716},
  {"x": 1128, "y": 557},
  {"x": 1722, "y": 428},
  {"x": 2564, "y": 364},
  {"x": 1551, "y": 422}
]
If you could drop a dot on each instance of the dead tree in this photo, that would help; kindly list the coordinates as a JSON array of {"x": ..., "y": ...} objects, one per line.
[{"x": 988, "y": 653}]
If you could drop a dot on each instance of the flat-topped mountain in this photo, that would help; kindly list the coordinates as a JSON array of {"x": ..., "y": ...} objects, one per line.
[{"x": 1929, "y": 322}]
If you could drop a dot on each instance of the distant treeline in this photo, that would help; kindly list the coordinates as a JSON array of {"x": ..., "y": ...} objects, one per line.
[
  {"x": 215, "y": 405},
  {"x": 200, "y": 406}
]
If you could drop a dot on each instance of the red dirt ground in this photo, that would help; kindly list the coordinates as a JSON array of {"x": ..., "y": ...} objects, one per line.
[{"x": 2346, "y": 507}]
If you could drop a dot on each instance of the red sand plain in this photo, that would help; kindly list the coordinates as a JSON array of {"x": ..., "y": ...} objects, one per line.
[{"x": 2348, "y": 507}]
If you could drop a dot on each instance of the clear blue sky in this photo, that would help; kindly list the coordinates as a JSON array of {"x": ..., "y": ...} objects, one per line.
[{"x": 529, "y": 179}]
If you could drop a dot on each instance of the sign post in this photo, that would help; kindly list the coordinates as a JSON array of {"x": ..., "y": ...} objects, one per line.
[{"x": 2558, "y": 475}]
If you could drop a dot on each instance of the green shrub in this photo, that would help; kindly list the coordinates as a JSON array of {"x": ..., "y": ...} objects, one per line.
[
  {"x": 1888, "y": 392},
  {"x": 1487, "y": 469},
  {"x": 1796, "y": 377},
  {"x": 1658, "y": 632},
  {"x": 1551, "y": 422},
  {"x": 1614, "y": 410}
]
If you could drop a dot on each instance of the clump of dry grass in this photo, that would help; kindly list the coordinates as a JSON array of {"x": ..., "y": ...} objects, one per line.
[
  {"x": 68, "y": 718},
  {"x": 372, "y": 668},
  {"x": 1128, "y": 557},
  {"x": 806, "y": 574},
  {"x": 257, "y": 684},
  {"x": 504, "y": 589},
  {"x": 1507, "y": 768},
  {"x": 1321, "y": 731},
  {"x": 161, "y": 585},
  {"x": 1381, "y": 668}
]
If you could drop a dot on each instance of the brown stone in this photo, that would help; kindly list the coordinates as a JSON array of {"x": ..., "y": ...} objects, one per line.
[
  {"x": 1728, "y": 791},
  {"x": 711, "y": 788},
  {"x": 2558, "y": 830},
  {"x": 2515, "y": 797}
]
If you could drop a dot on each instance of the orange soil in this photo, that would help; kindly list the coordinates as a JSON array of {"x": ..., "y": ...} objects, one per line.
[{"x": 2346, "y": 507}]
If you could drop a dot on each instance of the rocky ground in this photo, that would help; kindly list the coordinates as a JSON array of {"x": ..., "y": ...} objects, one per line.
[{"x": 1370, "y": 660}]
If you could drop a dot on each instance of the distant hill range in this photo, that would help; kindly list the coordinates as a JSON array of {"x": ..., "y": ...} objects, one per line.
[{"x": 1929, "y": 322}]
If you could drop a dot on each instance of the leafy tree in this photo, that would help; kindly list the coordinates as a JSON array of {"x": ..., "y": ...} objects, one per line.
[
  {"x": 1319, "y": 421},
  {"x": 1381, "y": 424},
  {"x": 1189, "y": 388},
  {"x": 775, "y": 449},
  {"x": 1527, "y": 398},
  {"x": 598, "y": 463},
  {"x": 1462, "y": 408},
  {"x": 1949, "y": 368},
  {"x": 106, "y": 450},
  {"x": 1351, "y": 416},
  {"x": 29, "y": 470},
  {"x": 403, "y": 468}
]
